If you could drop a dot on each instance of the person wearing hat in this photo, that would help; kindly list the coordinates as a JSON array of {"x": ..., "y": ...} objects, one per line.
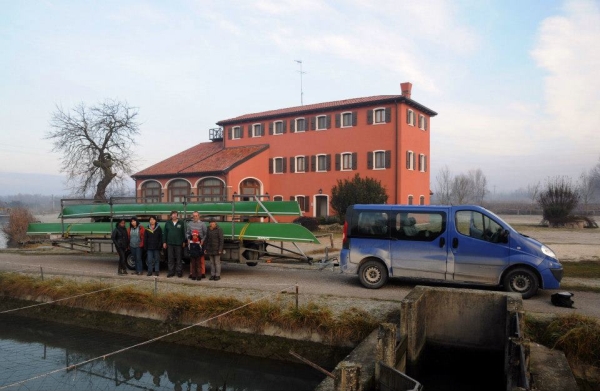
[
  {"x": 195, "y": 247},
  {"x": 135, "y": 232},
  {"x": 121, "y": 241},
  {"x": 213, "y": 247}
]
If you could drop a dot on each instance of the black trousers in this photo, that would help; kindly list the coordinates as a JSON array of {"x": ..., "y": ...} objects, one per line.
[{"x": 122, "y": 259}]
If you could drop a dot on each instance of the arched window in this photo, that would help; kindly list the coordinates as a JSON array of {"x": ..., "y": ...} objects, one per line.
[
  {"x": 151, "y": 192},
  {"x": 249, "y": 187},
  {"x": 211, "y": 190},
  {"x": 179, "y": 189}
]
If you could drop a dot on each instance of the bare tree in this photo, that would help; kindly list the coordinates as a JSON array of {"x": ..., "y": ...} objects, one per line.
[
  {"x": 479, "y": 186},
  {"x": 96, "y": 143},
  {"x": 444, "y": 186},
  {"x": 462, "y": 189},
  {"x": 587, "y": 187}
]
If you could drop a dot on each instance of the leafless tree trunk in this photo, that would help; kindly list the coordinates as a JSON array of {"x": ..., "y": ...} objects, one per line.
[
  {"x": 587, "y": 188},
  {"x": 96, "y": 144},
  {"x": 444, "y": 186},
  {"x": 462, "y": 189},
  {"x": 479, "y": 186}
]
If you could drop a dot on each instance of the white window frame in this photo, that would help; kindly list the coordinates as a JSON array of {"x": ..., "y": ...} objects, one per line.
[
  {"x": 342, "y": 161},
  {"x": 296, "y": 123},
  {"x": 254, "y": 128},
  {"x": 422, "y": 162},
  {"x": 375, "y": 160},
  {"x": 342, "y": 119},
  {"x": 239, "y": 128},
  {"x": 317, "y": 122},
  {"x": 324, "y": 163},
  {"x": 422, "y": 122},
  {"x": 303, "y": 157},
  {"x": 382, "y": 110},
  {"x": 410, "y": 200},
  {"x": 411, "y": 161},
  {"x": 275, "y": 159},
  {"x": 411, "y": 117},
  {"x": 275, "y": 123}
]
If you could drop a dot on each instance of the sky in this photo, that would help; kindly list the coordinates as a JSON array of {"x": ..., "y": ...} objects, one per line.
[{"x": 516, "y": 84}]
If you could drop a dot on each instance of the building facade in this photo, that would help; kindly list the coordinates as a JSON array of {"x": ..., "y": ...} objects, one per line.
[{"x": 300, "y": 153}]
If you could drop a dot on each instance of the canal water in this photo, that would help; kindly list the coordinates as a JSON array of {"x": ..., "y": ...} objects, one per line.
[{"x": 30, "y": 348}]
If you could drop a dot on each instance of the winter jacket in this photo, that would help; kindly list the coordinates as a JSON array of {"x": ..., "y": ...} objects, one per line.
[
  {"x": 213, "y": 245},
  {"x": 200, "y": 226},
  {"x": 195, "y": 249},
  {"x": 153, "y": 238},
  {"x": 120, "y": 238},
  {"x": 140, "y": 233},
  {"x": 174, "y": 234}
]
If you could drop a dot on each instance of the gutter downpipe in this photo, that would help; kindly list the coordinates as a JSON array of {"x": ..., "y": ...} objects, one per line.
[{"x": 397, "y": 157}]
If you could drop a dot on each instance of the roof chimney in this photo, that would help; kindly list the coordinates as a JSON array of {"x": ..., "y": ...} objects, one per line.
[{"x": 406, "y": 88}]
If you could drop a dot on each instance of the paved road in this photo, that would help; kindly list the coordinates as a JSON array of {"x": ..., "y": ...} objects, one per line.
[{"x": 271, "y": 277}]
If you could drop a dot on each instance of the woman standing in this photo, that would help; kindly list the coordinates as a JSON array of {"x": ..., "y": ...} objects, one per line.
[
  {"x": 152, "y": 245},
  {"x": 136, "y": 243},
  {"x": 121, "y": 241},
  {"x": 213, "y": 246}
]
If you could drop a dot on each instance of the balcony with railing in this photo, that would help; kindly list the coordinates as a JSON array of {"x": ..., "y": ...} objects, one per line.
[{"x": 215, "y": 134}]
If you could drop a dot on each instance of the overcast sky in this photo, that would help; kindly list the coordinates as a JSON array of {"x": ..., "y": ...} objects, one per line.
[{"x": 516, "y": 84}]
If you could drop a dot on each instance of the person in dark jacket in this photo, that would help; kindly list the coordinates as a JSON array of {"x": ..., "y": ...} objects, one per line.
[
  {"x": 153, "y": 244},
  {"x": 195, "y": 247},
  {"x": 213, "y": 246},
  {"x": 174, "y": 242},
  {"x": 121, "y": 241}
]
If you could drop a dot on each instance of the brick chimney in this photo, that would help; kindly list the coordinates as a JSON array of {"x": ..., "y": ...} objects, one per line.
[{"x": 406, "y": 89}]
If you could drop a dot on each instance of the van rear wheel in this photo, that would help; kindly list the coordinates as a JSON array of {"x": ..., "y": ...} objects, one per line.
[
  {"x": 373, "y": 274},
  {"x": 523, "y": 281}
]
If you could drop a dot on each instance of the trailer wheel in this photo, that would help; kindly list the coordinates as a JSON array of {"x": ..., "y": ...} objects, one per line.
[
  {"x": 373, "y": 274},
  {"x": 129, "y": 261},
  {"x": 251, "y": 263},
  {"x": 251, "y": 254}
]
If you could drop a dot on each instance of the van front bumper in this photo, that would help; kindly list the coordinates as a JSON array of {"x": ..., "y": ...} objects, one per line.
[
  {"x": 557, "y": 273},
  {"x": 551, "y": 278}
]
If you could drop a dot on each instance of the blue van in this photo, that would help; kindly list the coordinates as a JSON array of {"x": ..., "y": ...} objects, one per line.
[{"x": 465, "y": 243}]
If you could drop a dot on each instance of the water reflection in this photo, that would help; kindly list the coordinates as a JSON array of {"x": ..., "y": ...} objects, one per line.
[{"x": 31, "y": 347}]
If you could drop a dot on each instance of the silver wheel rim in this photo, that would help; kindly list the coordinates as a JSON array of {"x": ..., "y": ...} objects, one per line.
[
  {"x": 372, "y": 275},
  {"x": 520, "y": 283}
]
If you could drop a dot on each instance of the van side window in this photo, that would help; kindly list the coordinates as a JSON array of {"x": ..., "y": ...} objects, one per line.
[
  {"x": 478, "y": 226},
  {"x": 371, "y": 224},
  {"x": 419, "y": 226}
]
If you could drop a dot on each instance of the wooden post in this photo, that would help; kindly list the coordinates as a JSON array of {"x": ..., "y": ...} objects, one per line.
[{"x": 347, "y": 377}]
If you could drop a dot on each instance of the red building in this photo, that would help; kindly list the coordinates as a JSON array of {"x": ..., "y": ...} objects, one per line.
[{"x": 300, "y": 153}]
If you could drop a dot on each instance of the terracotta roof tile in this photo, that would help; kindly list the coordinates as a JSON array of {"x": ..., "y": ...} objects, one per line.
[
  {"x": 204, "y": 157},
  {"x": 323, "y": 106}
]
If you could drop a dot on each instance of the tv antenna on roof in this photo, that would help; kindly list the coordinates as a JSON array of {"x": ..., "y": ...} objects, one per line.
[{"x": 301, "y": 90}]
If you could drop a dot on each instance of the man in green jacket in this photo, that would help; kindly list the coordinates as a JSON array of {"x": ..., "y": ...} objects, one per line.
[{"x": 174, "y": 242}]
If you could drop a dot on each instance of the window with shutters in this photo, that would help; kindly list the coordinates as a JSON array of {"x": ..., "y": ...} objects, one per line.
[
  {"x": 346, "y": 161},
  {"x": 303, "y": 202},
  {"x": 379, "y": 160},
  {"x": 256, "y": 130},
  {"x": 410, "y": 160},
  {"x": 346, "y": 120},
  {"x": 410, "y": 200},
  {"x": 410, "y": 117},
  {"x": 379, "y": 116},
  {"x": 322, "y": 122},
  {"x": 237, "y": 132},
  {"x": 277, "y": 198},
  {"x": 422, "y": 200},
  {"x": 321, "y": 163},
  {"x": 278, "y": 165},
  {"x": 278, "y": 127},
  {"x": 422, "y": 162},
  {"x": 422, "y": 122},
  {"x": 300, "y": 164},
  {"x": 300, "y": 125}
]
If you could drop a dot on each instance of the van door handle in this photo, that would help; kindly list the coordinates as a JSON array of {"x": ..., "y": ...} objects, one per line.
[
  {"x": 442, "y": 242},
  {"x": 455, "y": 243}
]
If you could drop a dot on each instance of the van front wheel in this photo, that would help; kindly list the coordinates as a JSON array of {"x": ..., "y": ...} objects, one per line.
[
  {"x": 373, "y": 274},
  {"x": 523, "y": 281}
]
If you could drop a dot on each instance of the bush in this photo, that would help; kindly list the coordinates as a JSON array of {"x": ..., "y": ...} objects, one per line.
[
  {"x": 16, "y": 228},
  {"x": 356, "y": 191},
  {"x": 558, "y": 200},
  {"x": 328, "y": 220},
  {"x": 310, "y": 223}
]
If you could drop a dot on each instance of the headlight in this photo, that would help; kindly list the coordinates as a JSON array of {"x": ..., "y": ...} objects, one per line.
[{"x": 548, "y": 252}]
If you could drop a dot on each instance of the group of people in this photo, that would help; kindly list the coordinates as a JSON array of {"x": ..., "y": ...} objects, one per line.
[{"x": 200, "y": 240}]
